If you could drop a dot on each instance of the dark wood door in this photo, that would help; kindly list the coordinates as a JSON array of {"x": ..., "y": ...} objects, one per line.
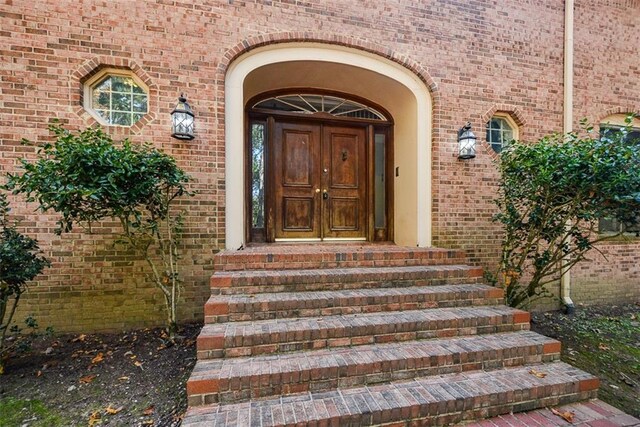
[
  {"x": 320, "y": 177},
  {"x": 344, "y": 179},
  {"x": 296, "y": 169}
]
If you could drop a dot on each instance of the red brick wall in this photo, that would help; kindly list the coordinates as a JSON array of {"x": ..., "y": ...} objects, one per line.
[
  {"x": 607, "y": 81},
  {"x": 482, "y": 56}
]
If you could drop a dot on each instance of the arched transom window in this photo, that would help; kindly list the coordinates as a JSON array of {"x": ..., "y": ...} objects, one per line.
[{"x": 311, "y": 104}]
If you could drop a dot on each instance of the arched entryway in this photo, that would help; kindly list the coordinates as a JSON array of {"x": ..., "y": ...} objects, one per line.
[{"x": 355, "y": 75}]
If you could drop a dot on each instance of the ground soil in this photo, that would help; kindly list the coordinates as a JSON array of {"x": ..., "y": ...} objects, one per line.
[
  {"x": 133, "y": 379},
  {"x": 605, "y": 341}
]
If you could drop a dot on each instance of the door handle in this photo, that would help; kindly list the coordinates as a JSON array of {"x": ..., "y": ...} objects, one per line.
[{"x": 325, "y": 195}]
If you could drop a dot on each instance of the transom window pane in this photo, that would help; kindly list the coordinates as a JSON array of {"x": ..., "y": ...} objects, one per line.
[
  {"x": 119, "y": 100},
  {"x": 499, "y": 133},
  {"x": 311, "y": 104}
]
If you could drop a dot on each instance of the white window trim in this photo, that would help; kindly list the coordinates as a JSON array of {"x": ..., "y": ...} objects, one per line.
[{"x": 88, "y": 98}]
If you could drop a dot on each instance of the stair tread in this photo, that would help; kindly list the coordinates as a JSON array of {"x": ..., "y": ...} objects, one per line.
[
  {"x": 403, "y": 400},
  {"x": 283, "y": 297},
  {"x": 333, "y": 249},
  {"x": 406, "y": 272},
  {"x": 359, "y": 319},
  {"x": 372, "y": 353}
]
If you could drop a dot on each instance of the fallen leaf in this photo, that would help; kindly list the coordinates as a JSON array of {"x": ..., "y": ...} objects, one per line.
[
  {"x": 147, "y": 423},
  {"x": 99, "y": 358},
  {"x": 39, "y": 373},
  {"x": 79, "y": 338},
  {"x": 87, "y": 379},
  {"x": 94, "y": 418},
  {"x": 567, "y": 416},
  {"x": 138, "y": 364},
  {"x": 148, "y": 411},
  {"x": 124, "y": 378},
  {"x": 112, "y": 411},
  {"x": 537, "y": 373},
  {"x": 603, "y": 347}
]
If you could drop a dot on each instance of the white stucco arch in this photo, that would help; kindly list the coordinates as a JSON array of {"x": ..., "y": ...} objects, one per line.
[{"x": 412, "y": 208}]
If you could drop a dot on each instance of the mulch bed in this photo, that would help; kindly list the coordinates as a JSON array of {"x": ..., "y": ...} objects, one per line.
[
  {"x": 135, "y": 379},
  {"x": 602, "y": 340}
]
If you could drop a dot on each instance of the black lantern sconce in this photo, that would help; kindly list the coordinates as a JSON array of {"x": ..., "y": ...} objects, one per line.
[
  {"x": 466, "y": 142},
  {"x": 182, "y": 120}
]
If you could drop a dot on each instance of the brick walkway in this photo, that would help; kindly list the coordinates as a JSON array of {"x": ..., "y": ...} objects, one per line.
[{"x": 594, "y": 413}]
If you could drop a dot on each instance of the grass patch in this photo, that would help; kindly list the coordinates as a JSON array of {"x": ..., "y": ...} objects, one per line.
[{"x": 18, "y": 412}]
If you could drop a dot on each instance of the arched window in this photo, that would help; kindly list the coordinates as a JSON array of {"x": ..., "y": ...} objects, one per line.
[
  {"x": 501, "y": 130},
  {"x": 311, "y": 104}
]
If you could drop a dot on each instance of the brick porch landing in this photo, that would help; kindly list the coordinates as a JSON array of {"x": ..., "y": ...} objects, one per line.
[{"x": 350, "y": 335}]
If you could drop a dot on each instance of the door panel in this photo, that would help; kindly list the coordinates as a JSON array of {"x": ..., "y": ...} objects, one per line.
[
  {"x": 344, "y": 179},
  {"x": 296, "y": 179}
]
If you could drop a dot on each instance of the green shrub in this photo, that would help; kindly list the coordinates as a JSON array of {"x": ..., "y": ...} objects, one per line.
[
  {"x": 86, "y": 177},
  {"x": 20, "y": 262},
  {"x": 552, "y": 194}
]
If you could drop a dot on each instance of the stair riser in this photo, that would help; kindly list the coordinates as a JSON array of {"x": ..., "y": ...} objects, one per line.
[
  {"x": 236, "y": 346},
  {"x": 239, "y": 261},
  {"x": 241, "y": 388},
  {"x": 235, "y": 287},
  {"x": 222, "y": 311}
]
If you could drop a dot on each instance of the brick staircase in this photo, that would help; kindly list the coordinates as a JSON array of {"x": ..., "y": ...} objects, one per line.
[{"x": 366, "y": 335}]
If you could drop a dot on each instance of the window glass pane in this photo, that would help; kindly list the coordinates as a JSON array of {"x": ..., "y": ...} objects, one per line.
[
  {"x": 100, "y": 99},
  {"x": 105, "y": 115},
  {"x": 120, "y": 84},
  {"x": 496, "y": 137},
  {"x": 499, "y": 133},
  {"x": 634, "y": 137},
  {"x": 257, "y": 174},
  {"x": 138, "y": 89},
  {"x": 608, "y": 225},
  {"x": 123, "y": 119},
  {"x": 140, "y": 103},
  {"x": 380, "y": 217},
  {"x": 104, "y": 84},
  {"x": 119, "y": 100}
]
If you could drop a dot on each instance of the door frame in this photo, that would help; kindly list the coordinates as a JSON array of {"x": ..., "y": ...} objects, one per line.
[{"x": 372, "y": 127}]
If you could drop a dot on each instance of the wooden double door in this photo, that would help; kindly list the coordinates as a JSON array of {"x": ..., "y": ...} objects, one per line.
[{"x": 320, "y": 180}]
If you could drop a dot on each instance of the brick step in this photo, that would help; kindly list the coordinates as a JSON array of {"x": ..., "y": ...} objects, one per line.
[
  {"x": 258, "y": 281},
  {"x": 233, "y": 380},
  {"x": 435, "y": 400},
  {"x": 263, "y": 306},
  {"x": 236, "y": 339},
  {"x": 280, "y": 257}
]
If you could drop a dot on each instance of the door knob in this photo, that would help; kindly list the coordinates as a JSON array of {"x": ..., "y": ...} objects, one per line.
[{"x": 317, "y": 190}]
